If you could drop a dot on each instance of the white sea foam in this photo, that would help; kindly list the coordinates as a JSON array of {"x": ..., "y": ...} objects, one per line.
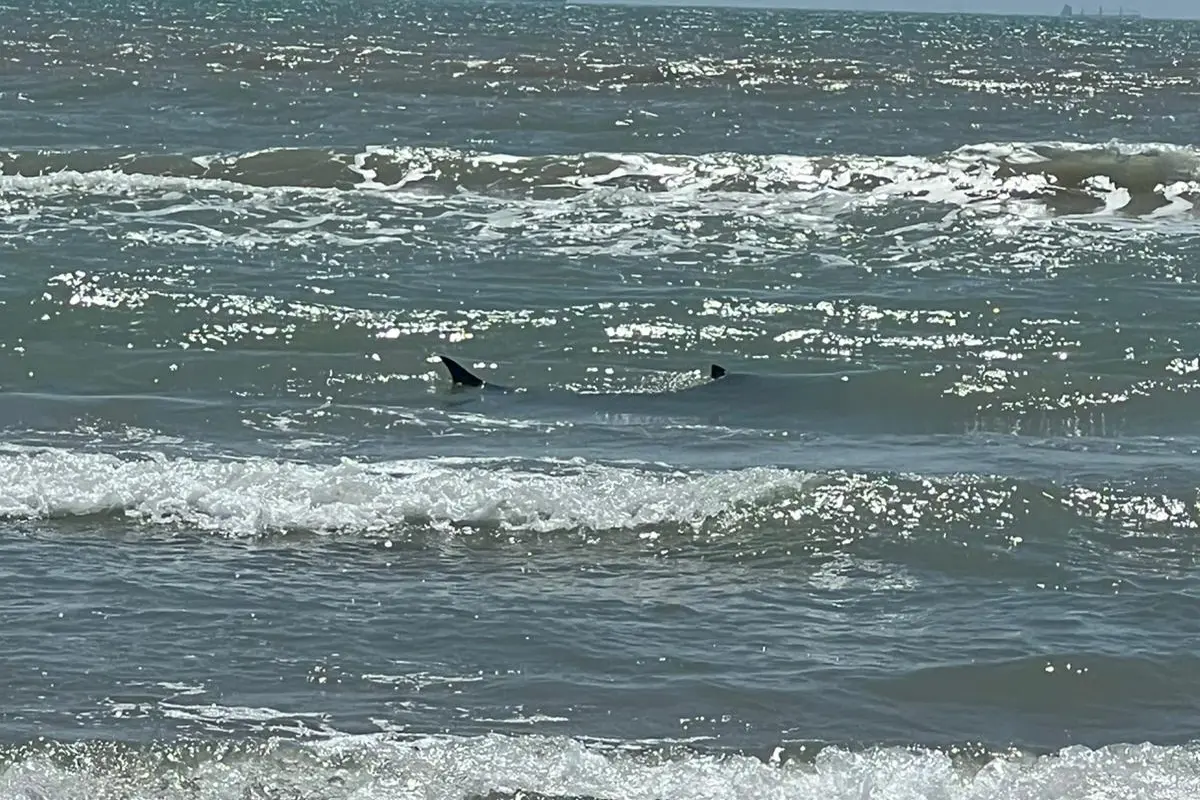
[
  {"x": 635, "y": 204},
  {"x": 247, "y": 497},
  {"x": 256, "y": 496},
  {"x": 380, "y": 765}
]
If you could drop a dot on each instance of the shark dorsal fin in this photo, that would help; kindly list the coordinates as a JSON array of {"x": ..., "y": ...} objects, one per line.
[{"x": 459, "y": 374}]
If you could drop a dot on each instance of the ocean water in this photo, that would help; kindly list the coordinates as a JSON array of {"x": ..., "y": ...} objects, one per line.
[{"x": 933, "y": 535}]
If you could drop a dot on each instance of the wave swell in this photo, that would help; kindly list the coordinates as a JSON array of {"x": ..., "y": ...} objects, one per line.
[
  {"x": 262, "y": 496},
  {"x": 1067, "y": 178},
  {"x": 499, "y": 767}
]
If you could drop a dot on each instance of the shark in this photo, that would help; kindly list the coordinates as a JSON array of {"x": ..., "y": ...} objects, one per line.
[
  {"x": 722, "y": 398},
  {"x": 869, "y": 401},
  {"x": 460, "y": 376},
  {"x": 841, "y": 402}
]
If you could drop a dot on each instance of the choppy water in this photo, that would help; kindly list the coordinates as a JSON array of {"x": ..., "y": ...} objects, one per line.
[{"x": 933, "y": 536}]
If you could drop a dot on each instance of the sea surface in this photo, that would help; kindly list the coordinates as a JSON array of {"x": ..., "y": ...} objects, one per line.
[{"x": 933, "y": 535}]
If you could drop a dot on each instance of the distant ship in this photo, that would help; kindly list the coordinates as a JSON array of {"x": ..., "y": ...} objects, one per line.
[{"x": 1067, "y": 11}]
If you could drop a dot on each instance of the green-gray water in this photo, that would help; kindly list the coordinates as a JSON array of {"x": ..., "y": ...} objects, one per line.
[{"x": 933, "y": 536}]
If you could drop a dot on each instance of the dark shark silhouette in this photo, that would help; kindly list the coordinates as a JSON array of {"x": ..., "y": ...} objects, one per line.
[
  {"x": 832, "y": 402},
  {"x": 687, "y": 405},
  {"x": 461, "y": 376},
  {"x": 725, "y": 398}
]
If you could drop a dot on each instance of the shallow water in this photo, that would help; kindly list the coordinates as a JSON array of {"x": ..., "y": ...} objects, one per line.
[{"x": 932, "y": 536}]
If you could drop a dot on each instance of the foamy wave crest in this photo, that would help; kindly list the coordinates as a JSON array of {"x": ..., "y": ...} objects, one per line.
[
  {"x": 734, "y": 209},
  {"x": 533, "y": 766},
  {"x": 248, "y": 497},
  {"x": 261, "y": 496},
  {"x": 1069, "y": 178}
]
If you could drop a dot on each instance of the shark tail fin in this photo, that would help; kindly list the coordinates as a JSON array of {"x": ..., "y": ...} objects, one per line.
[
  {"x": 717, "y": 371},
  {"x": 460, "y": 374}
]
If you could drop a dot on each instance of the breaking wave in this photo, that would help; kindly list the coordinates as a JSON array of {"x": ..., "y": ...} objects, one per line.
[
  {"x": 257, "y": 496},
  {"x": 510, "y": 767},
  {"x": 1065, "y": 178}
]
